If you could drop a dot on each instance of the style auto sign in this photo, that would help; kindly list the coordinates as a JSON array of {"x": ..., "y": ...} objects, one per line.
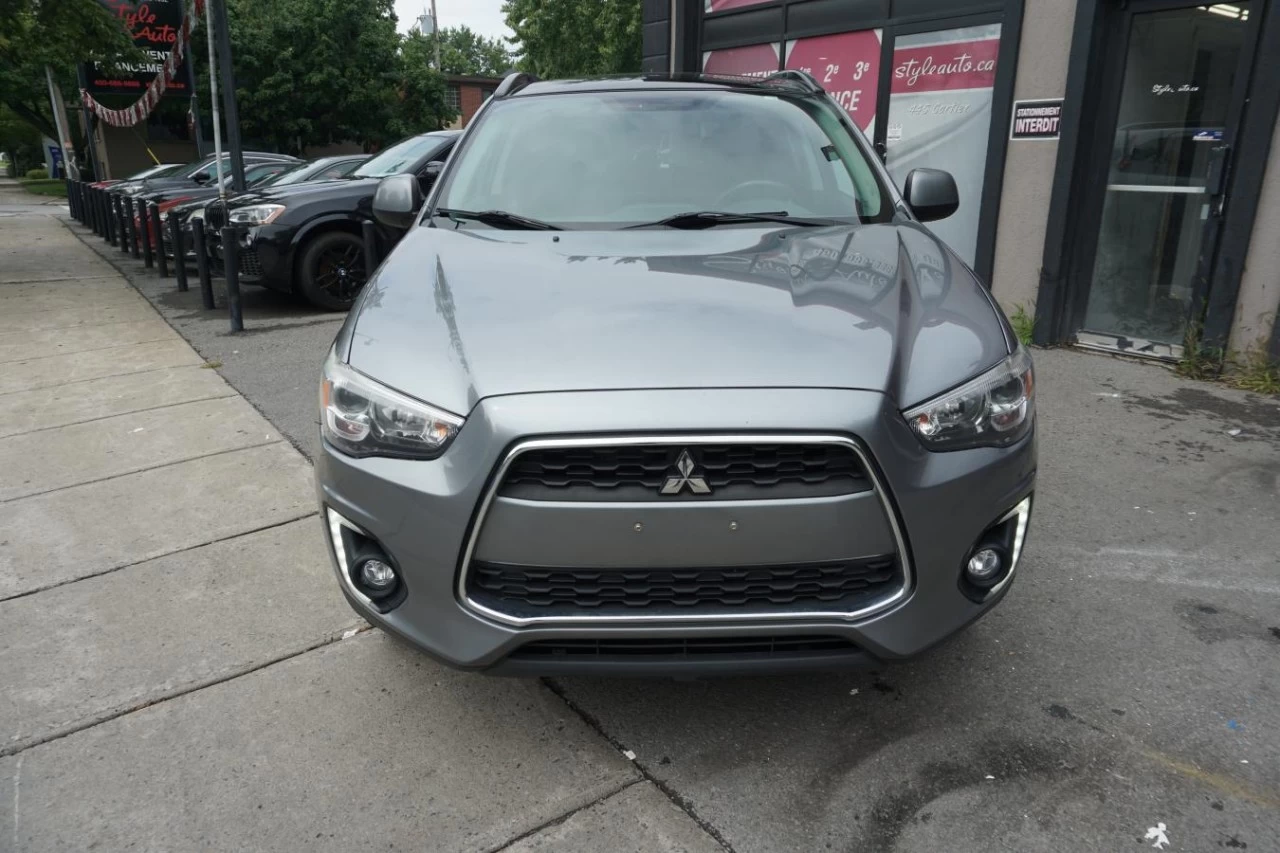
[{"x": 155, "y": 26}]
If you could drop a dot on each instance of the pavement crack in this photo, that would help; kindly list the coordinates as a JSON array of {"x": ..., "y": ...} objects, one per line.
[
  {"x": 120, "y": 414},
  {"x": 670, "y": 793},
  {"x": 556, "y": 821},
  {"x": 167, "y": 696},
  {"x": 30, "y": 359},
  {"x": 149, "y": 468},
  {"x": 97, "y": 378},
  {"x": 122, "y": 566}
]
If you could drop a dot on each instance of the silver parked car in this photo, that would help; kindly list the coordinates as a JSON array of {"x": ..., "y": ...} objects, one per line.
[{"x": 666, "y": 377}]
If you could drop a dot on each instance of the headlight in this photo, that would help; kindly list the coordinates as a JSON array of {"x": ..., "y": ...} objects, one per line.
[
  {"x": 257, "y": 214},
  {"x": 198, "y": 213},
  {"x": 362, "y": 418},
  {"x": 994, "y": 410}
]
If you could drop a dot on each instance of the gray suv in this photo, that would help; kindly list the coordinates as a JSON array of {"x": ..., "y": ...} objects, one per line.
[{"x": 666, "y": 377}]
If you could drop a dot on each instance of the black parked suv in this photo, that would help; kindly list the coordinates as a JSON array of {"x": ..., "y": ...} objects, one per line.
[{"x": 306, "y": 239}]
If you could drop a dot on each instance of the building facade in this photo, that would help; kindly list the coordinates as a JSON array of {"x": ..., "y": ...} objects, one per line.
[
  {"x": 1114, "y": 157},
  {"x": 467, "y": 94}
]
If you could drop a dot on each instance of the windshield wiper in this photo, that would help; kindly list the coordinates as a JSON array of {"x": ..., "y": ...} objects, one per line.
[
  {"x": 499, "y": 219},
  {"x": 712, "y": 218}
]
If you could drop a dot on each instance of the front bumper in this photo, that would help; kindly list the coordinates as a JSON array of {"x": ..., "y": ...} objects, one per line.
[
  {"x": 265, "y": 256},
  {"x": 429, "y": 517}
]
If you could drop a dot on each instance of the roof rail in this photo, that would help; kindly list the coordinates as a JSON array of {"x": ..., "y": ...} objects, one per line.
[
  {"x": 803, "y": 79},
  {"x": 512, "y": 83}
]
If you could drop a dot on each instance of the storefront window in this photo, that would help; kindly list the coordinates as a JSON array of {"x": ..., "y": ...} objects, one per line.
[
  {"x": 757, "y": 60},
  {"x": 848, "y": 67},
  {"x": 940, "y": 117}
]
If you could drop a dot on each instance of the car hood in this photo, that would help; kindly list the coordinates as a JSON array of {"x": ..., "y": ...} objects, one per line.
[
  {"x": 278, "y": 194},
  {"x": 455, "y": 316}
]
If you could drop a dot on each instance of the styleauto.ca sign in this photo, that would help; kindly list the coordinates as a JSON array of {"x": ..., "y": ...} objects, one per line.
[{"x": 155, "y": 26}]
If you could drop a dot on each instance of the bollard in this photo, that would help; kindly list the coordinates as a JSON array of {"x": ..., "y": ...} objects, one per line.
[
  {"x": 135, "y": 247},
  {"x": 371, "y": 259},
  {"x": 78, "y": 201},
  {"x": 157, "y": 230},
  {"x": 94, "y": 224},
  {"x": 86, "y": 199},
  {"x": 231, "y": 272},
  {"x": 100, "y": 209},
  {"x": 179, "y": 252},
  {"x": 71, "y": 196},
  {"x": 144, "y": 235},
  {"x": 202, "y": 262},
  {"x": 126, "y": 231},
  {"x": 109, "y": 206}
]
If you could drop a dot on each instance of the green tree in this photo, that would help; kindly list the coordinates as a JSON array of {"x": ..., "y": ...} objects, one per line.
[
  {"x": 464, "y": 51},
  {"x": 311, "y": 72},
  {"x": 58, "y": 34},
  {"x": 20, "y": 140},
  {"x": 421, "y": 105},
  {"x": 574, "y": 38}
]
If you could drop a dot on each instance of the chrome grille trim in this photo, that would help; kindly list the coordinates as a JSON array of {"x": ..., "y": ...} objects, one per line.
[{"x": 499, "y": 476}]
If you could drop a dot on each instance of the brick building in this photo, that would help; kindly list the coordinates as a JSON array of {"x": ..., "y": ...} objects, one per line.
[{"x": 466, "y": 94}]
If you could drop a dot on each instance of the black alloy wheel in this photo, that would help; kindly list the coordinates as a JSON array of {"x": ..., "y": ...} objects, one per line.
[{"x": 333, "y": 270}]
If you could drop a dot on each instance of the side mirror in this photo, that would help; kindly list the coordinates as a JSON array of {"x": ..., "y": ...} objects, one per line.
[
  {"x": 397, "y": 201},
  {"x": 201, "y": 177},
  {"x": 931, "y": 194},
  {"x": 430, "y": 174}
]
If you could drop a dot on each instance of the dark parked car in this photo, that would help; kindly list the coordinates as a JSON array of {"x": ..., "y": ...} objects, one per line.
[
  {"x": 159, "y": 170},
  {"x": 667, "y": 376},
  {"x": 193, "y": 203},
  {"x": 196, "y": 174},
  {"x": 306, "y": 239},
  {"x": 167, "y": 198}
]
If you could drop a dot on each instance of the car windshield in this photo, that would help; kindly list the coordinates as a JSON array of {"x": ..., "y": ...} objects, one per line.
[
  {"x": 157, "y": 171},
  {"x": 398, "y": 158},
  {"x": 297, "y": 174},
  {"x": 612, "y": 159}
]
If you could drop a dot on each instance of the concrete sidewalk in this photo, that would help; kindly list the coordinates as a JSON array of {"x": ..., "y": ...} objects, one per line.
[{"x": 179, "y": 668}]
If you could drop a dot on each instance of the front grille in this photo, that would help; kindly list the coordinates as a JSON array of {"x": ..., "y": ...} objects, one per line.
[
  {"x": 529, "y": 591},
  {"x": 249, "y": 263},
  {"x": 730, "y": 471},
  {"x": 682, "y": 648}
]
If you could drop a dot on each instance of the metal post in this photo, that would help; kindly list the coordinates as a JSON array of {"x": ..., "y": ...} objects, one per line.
[
  {"x": 100, "y": 209},
  {"x": 435, "y": 28},
  {"x": 95, "y": 221},
  {"x": 197, "y": 130},
  {"x": 157, "y": 224},
  {"x": 229, "y": 93},
  {"x": 134, "y": 248},
  {"x": 109, "y": 206},
  {"x": 202, "y": 262},
  {"x": 89, "y": 126},
  {"x": 71, "y": 196},
  {"x": 231, "y": 272},
  {"x": 126, "y": 225},
  {"x": 81, "y": 214},
  {"x": 179, "y": 252},
  {"x": 370, "y": 233},
  {"x": 86, "y": 193},
  {"x": 144, "y": 235}
]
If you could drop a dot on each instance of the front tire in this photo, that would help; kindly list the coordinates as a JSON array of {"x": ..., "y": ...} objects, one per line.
[{"x": 333, "y": 270}]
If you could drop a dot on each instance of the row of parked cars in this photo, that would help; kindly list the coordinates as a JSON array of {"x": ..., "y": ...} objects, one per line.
[{"x": 299, "y": 222}]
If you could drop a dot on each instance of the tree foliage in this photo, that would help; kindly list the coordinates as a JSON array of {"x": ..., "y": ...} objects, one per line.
[
  {"x": 464, "y": 51},
  {"x": 57, "y": 34},
  {"x": 422, "y": 105},
  {"x": 576, "y": 38}
]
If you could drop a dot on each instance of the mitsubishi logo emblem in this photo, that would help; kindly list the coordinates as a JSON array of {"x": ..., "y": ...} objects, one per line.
[{"x": 684, "y": 476}]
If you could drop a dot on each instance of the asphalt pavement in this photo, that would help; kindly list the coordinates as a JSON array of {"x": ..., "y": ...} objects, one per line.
[{"x": 1124, "y": 692}]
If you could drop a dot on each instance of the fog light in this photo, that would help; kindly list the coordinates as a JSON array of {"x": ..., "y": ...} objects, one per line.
[
  {"x": 984, "y": 567},
  {"x": 377, "y": 575}
]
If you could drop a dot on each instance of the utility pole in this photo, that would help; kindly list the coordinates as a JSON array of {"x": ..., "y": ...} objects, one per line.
[
  {"x": 89, "y": 122},
  {"x": 435, "y": 25},
  {"x": 60, "y": 121},
  {"x": 229, "y": 93},
  {"x": 213, "y": 92},
  {"x": 196, "y": 129}
]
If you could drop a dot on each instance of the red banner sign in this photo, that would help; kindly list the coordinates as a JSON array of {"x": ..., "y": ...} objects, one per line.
[{"x": 848, "y": 67}]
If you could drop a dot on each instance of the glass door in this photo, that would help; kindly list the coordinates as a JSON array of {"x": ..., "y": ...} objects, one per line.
[{"x": 1166, "y": 174}]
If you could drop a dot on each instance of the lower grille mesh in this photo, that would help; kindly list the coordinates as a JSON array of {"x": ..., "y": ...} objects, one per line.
[
  {"x": 682, "y": 647},
  {"x": 556, "y": 591}
]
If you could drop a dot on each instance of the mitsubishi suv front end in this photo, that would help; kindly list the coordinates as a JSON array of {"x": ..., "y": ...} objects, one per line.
[{"x": 666, "y": 377}]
